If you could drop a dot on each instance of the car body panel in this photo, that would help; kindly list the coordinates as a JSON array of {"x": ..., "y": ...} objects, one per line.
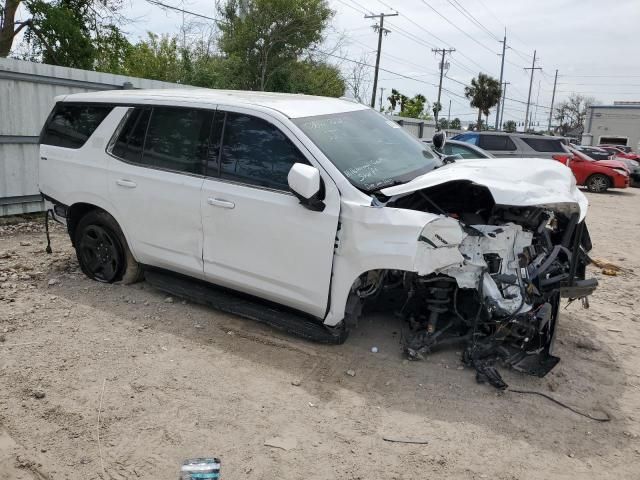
[{"x": 543, "y": 182}]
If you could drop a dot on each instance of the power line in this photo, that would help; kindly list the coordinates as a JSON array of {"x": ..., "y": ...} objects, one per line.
[
  {"x": 457, "y": 27},
  {"x": 182, "y": 10},
  {"x": 472, "y": 18}
]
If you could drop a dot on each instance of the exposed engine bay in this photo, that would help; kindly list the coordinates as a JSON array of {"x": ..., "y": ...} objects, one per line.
[{"x": 490, "y": 276}]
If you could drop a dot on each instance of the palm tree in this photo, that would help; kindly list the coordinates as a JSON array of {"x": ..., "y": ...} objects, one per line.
[{"x": 484, "y": 93}]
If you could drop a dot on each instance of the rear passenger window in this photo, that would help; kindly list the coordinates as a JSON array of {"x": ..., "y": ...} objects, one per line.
[
  {"x": 71, "y": 125},
  {"x": 129, "y": 144},
  {"x": 177, "y": 139},
  {"x": 168, "y": 138},
  {"x": 544, "y": 144},
  {"x": 256, "y": 152},
  {"x": 496, "y": 142}
]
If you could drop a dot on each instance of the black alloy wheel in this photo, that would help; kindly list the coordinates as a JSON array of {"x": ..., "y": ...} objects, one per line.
[{"x": 100, "y": 253}]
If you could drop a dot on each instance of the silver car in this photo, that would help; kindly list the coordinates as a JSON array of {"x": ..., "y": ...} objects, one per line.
[{"x": 502, "y": 144}]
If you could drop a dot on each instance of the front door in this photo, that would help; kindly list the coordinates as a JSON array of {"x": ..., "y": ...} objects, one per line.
[
  {"x": 155, "y": 182},
  {"x": 257, "y": 237}
]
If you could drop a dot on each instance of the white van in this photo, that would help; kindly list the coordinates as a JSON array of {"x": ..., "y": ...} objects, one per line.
[{"x": 299, "y": 210}]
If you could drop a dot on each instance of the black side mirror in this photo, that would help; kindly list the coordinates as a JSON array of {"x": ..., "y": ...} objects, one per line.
[{"x": 438, "y": 140}]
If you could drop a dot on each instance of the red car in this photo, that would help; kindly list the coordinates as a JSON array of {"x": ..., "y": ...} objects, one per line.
[
  {"x": 597, "y": 176},
  {"x": 619, "y": 151}
]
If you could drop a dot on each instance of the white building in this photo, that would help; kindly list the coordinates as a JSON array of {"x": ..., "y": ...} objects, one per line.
[{"x": 618, "y": 123}]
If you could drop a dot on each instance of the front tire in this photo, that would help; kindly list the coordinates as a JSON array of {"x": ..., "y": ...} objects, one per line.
[
  {"x": 598, "y": 183},
  {"x": 102, "y": 251}
]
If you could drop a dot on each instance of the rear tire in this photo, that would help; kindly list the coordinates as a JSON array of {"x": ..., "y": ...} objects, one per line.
[
  {"x": 598, "y": 183},
  {"x": 102, "y": 251}
]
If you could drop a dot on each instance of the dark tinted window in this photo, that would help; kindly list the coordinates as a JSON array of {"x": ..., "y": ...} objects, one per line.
[
  {"x": 256, "y": 152},
  {"x": 544, "y": 144},
  {"x": 496, "y": 142},
  {"x": 71, "y": 125},
  {"x": 129, "y": 144},
  {"x": 471, "y": 138},
  {"x": 177, "y": 139}
]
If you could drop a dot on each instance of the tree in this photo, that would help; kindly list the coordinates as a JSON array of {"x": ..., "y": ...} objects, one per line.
[
  {"x": 572, "y": 112},
  {"x": 416, "y": 107},
  {"x": 484, "y": 93},
  {"x": 443, "y": 123},
  {"x": 509, "y": 126},
  {"x": 455, "y": 124},
  {"x": 156, "y": 58},
  {"x": 397, "y": 99},
  {"x": 72, "y": 33},
  {"x": 358, "y": 80},
  {"x": 263, "y": 37}
]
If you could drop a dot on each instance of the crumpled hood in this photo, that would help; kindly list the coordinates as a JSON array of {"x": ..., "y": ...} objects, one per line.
[
  {"x": 611, "y": 163},
  {"x": 511, "y": 181}
]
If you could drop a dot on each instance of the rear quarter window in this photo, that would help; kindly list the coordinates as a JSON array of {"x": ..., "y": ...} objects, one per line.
[
  {"x": 544, "y": 144},
  {"x": 71, "y": 125},
  {"x": 497, "y": 143}
]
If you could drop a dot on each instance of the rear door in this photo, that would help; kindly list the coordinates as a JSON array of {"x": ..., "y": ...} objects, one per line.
[
  {"x": 498, "y": 145},
  {"x": 155, "y": 179},
  {"x": 258, "y": 239}
]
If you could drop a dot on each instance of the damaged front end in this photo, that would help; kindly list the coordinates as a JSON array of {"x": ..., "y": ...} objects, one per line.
[{"x": 491, "y": 276}]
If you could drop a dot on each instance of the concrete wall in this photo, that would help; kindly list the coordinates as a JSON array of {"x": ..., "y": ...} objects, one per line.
[
  {"x": 613, "y": 121},
  {"x": 27, "y": 91}
]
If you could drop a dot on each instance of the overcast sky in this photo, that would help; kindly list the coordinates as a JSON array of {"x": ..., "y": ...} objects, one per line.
[{"x": 593, "y": 43}]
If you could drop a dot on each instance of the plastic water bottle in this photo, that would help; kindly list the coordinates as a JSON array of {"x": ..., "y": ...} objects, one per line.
[{"x": 200, "y": 468}]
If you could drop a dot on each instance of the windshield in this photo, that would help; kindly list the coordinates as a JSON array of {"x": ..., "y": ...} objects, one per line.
[{"x": 371, "y": 151}]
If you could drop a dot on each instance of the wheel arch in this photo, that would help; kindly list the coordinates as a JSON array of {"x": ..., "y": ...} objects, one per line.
[{"x": 79, "y": 209}]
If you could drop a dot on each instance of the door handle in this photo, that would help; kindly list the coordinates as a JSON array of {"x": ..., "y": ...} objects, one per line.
[
  {"x": 126, "y": 183},
  {"x": 219, "y": 202}
]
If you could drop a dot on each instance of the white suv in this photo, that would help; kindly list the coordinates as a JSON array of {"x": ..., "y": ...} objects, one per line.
[{"x": 312, "y": 207}]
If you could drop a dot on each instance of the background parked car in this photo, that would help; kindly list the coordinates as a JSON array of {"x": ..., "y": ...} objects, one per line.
[
  {"x": 465, "y": 150},
  {"x": 596, "y": 153},
  {"x": 621, "y": 152},
  {"x": 599, "y": 153},
  {"x": 502, "y": 144},
  {"x": 597, "y": 175}
]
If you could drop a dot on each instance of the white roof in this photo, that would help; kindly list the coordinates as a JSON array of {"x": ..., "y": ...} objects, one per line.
[{"x": 291, "y": 105}]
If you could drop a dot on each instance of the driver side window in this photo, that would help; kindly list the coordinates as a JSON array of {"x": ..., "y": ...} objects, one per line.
[{"x": 254, "y": 152}]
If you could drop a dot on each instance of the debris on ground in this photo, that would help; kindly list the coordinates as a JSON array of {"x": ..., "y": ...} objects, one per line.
[
  {"x": 351, "y": 373},
  {"x": 608, "y": 268},
  {"x": 416, "y": 441},
  {"x": 284, "y": 443}
]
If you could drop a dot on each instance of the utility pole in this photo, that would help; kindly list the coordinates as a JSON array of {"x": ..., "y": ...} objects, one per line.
[
  {"x": 504, "y": 100},
  {"x": 504, "y": 48},
  {"x": 553, "y": 97},
  {"x": 444, "y": 51},
  {"x": 381, "y": 96},
  {"x": 535, "y": 115},
  {"x": 532, "y": 68},
  {"x": 449, "y": 114},
  {"x": 378, "y": 27}
]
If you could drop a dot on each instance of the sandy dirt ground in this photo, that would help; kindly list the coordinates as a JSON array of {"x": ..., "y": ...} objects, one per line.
[{"x": 118, "y": 382}]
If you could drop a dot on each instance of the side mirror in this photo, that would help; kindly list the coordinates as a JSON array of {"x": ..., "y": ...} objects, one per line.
[
  {"x": 439, "y": 139},
  {"x": 305, "y": 183}
]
